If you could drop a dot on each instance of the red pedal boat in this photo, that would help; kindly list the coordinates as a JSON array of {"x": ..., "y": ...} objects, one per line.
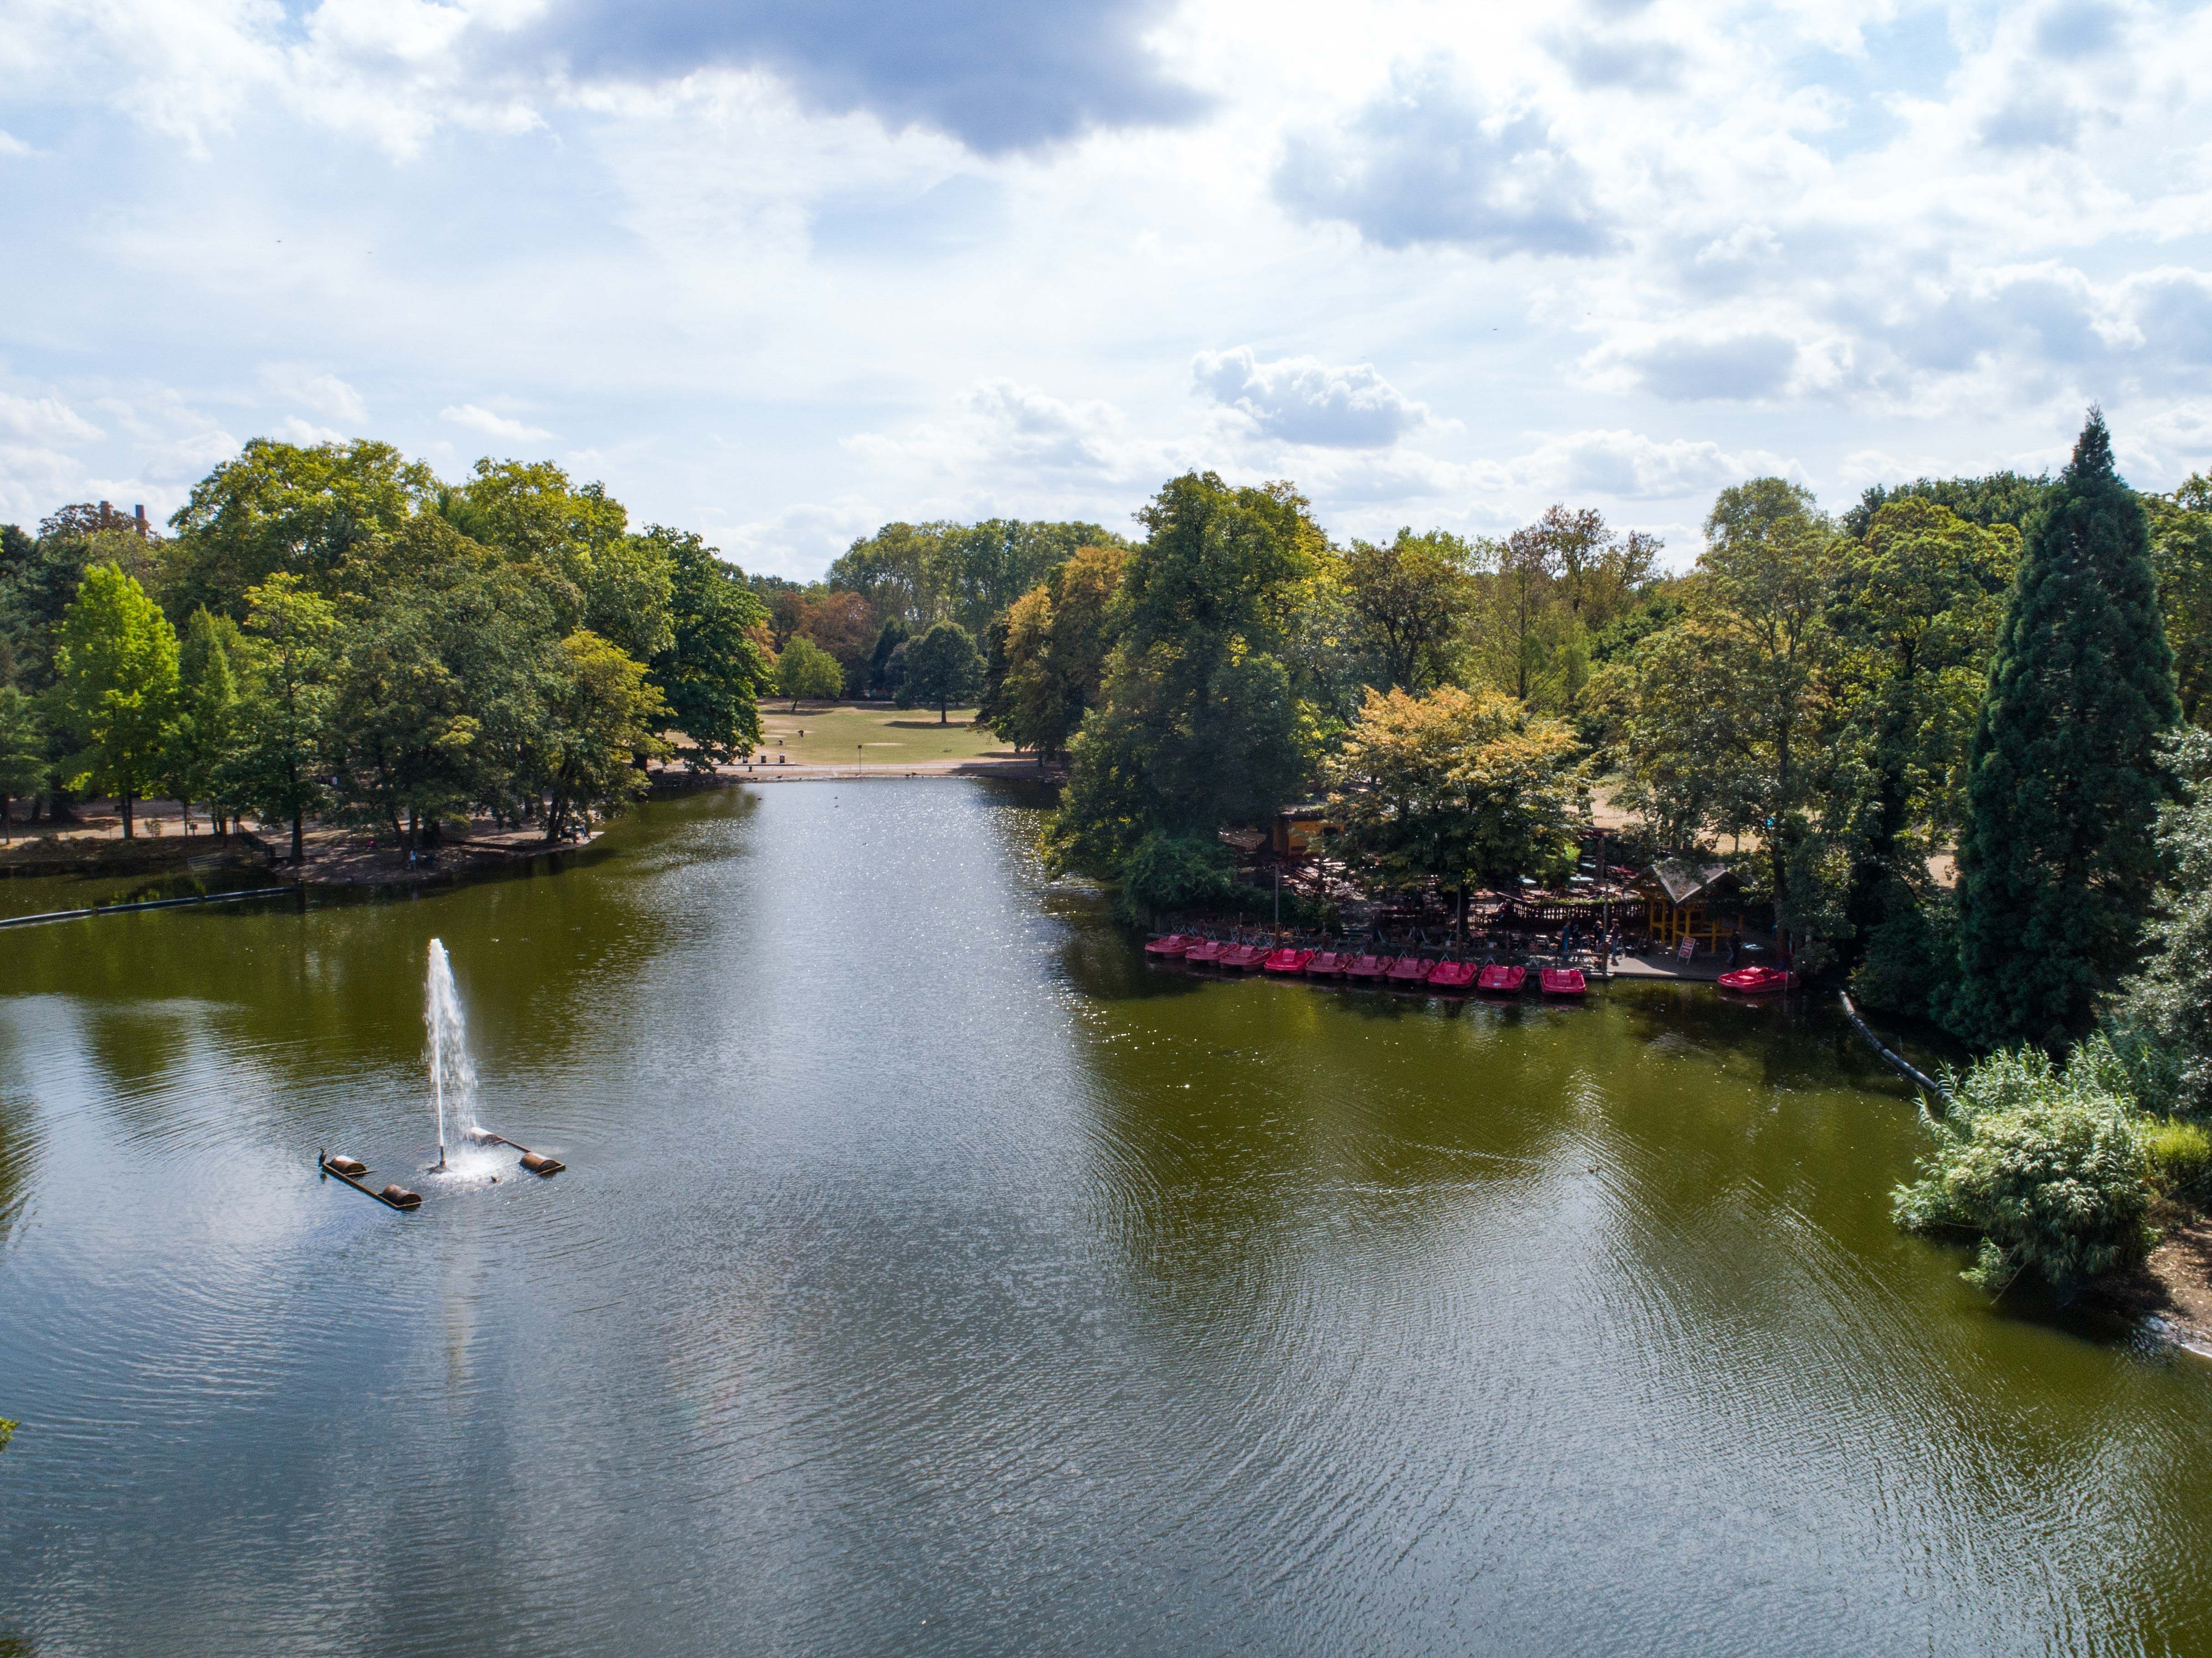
[
  {"x": 1328, "y": 964},
  {"x": 1409, "y": 970},
  {"x": 1758, "y": 981},
  {"x": 1452, "y": 975},
  {"x": 1174, "y": 945},
  {"x": 1287, "y": 960},
  {"x": 1242, "y": 958},
  {"x": 1506, "y": 981},
  {"x": 1366, "y": 967},
  {"x": 1205, "y": 952},
  {"x": 1562, "y": 982}
]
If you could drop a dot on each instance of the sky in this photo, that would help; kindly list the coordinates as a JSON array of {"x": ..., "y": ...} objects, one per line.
[{"x": 781, "y": 273}]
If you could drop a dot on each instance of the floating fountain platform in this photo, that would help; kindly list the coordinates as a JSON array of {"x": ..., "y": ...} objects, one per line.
[
  {"x": 536, "y": 1164},
  {"x": 396, "y": 1197}
]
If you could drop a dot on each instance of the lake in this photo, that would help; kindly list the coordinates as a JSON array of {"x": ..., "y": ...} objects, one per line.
[{"x": 931, "y": 1275}]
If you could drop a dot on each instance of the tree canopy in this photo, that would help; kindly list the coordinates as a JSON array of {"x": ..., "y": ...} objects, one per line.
[{"x": 2057, "y": 862}]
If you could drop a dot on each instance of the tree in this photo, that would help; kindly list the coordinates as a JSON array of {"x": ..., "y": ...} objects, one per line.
[
  {"x": 24, "y": 764},
  {"x": 889, "y": 568},
  {"x": 1923, "y": 595},
  {"x": 1054, "y": 645},
  {"x": 713, "y": 672},
  {"x": 979, "y": 569},
  {"x": 1411, "y": 599},
  {"x": 1457, "y": 788},
  {"x": 1767, "y": 576},
  {"x": 603, "y": 718},
  {"x": 894, "y": 635},
  {"x": 2000, "y": 498},
  {"x": 1198, "y": 722},
  {"x": 286, "y": 508},
  {"x": 1721, "y": 716},
  {"x": 843, "y": 624},
  {"x": 2181, "y": 550},
  {"x": 283, "y": 735},
  {"x": 924, "y": 573},
  {"x": 117, "y": 685},
  {"x": 597, "y": 576},
  {"x": 2164, "y": 1012},
  {"x": 943, "y": 666},
  {"x": 403, "y": 726},
  {"x": 2059, "y": 861},
  {"x": 206, "y": 733},
  {"x": 805, "y": 669},
  {"x": 1528, "y": 565}
]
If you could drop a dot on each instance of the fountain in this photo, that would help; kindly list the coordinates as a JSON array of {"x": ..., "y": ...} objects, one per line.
[{"x": 453, "y": 1077}]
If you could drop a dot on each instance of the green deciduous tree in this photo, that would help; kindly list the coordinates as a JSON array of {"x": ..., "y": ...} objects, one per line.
[
  {"x": 1455, "y": 788},
  {"x": 881, "y": 679},
  {"x": 804, "y": 669},
  {"x": 923, "y": 574},
  {"x": 404, "y": 726},
  {"x": 1411, "y": 600},
  {"x": 597, "y": 575},
  {"x": 1054, "y": 645},
  {"x": 712, "y": 673},
  {"x": 2011, "y": 498},
  {"x": 1199, "y": 723},
  {"x": 2181, "y": 551},
  {"x": 23, "y": 765},
  {"x": 603, "y": 719},
  {"x": 204, "y": 745},
  {"x": 286, "y": 508},
  {"x": 283, "y": 731},
  {"x": 943, "y": 666},
  {"x": 1722, "y": 716},
  {"x": 2059, "y": 861},
  {"x": 116, "y": 666},
  {"x": 1923, "y": 593}
]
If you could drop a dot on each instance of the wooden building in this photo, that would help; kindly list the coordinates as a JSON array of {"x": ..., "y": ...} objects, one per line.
[
  {"x": 1298, "y": 829},
  {"x": 1682, "y": 900}
]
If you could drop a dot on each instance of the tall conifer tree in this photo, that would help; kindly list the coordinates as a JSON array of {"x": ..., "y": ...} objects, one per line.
[{"x": 2057, "y": 862}]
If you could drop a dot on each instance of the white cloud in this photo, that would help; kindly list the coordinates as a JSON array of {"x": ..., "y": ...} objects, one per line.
[
  {"x": 495, "y": 426},
  {"x": 799, "y": 541},
  {"x": 1302, "y": 400},
  {"x": 11, "y": 145},
  {"x": 1630, "y": 466},
  {"x": 1424, "y": 162},
  {"x": 316, "y": 389},
  {"x": 1674, "y": 240},
  {"x": 998, "y": 428},
  {"x": 305, "y": 432},
  {"x": 45, "y": 420}
]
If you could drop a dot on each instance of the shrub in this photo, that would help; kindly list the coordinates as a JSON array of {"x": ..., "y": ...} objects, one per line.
[
  {"x": 1175, "y": 871},
  {"x": 2046, "y": 1166}
]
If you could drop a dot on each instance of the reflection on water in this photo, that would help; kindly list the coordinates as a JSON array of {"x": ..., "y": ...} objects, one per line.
[{"x": 932, "y": 1274}]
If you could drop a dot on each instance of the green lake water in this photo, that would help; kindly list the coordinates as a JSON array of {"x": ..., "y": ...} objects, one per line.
[{"x": 931, "y": 1275}]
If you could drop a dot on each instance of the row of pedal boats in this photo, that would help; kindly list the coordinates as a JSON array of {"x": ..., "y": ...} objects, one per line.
[{"x": 1292, "y": 961}]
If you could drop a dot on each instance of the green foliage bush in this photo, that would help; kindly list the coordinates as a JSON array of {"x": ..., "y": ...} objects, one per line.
[
  {"x": 1176, "y": 872},
  {"x": 2179, "y": 1156},
  {"x": 2045, "y": 1165}
]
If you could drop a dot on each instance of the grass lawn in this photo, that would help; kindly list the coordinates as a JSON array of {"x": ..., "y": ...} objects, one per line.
[{"x": 879, "y": 736}]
